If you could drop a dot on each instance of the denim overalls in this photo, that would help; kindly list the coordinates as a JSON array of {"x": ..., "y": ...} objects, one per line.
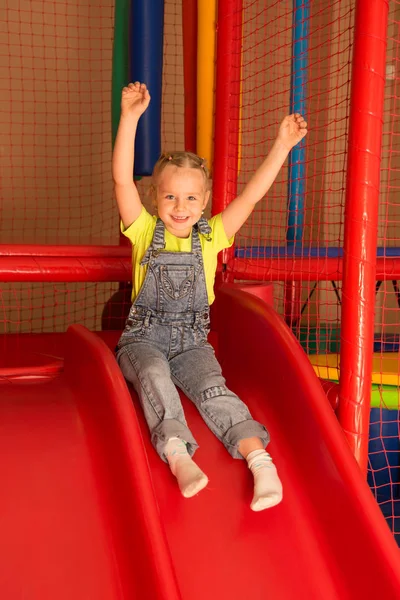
[{"x": 164, "y": 344}]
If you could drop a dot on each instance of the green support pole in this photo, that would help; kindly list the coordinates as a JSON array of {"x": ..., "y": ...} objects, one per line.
[{"x": 120, "y": 69}]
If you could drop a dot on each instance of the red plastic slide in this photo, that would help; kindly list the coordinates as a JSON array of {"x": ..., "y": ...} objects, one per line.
[{"x": 88, "y": 511}]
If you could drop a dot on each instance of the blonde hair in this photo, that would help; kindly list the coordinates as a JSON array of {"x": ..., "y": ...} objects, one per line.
[{"x": 184, "y": 159}]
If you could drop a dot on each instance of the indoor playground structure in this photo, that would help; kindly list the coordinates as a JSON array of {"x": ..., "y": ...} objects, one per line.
[{"x": 305, "y": 322}]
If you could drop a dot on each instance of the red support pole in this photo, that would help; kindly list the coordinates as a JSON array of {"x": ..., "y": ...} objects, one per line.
[
  {"x": 227, "y": 107},
  {"x": 113, "y": 263},
  {"x": 305, "y": 269},
  {"x": 361, "y": 221}
]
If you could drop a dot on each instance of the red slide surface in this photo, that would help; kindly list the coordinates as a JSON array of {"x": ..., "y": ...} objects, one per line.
[{"x": 88, "y": 510}]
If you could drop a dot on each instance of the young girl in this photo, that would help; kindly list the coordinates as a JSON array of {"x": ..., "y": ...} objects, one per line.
[{"x": 164, "y": 342}]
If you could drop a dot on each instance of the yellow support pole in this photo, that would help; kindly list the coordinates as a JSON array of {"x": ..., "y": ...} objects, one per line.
[{"x": 206, "y": 22}]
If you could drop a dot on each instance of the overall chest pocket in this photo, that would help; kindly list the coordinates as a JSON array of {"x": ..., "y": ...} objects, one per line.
[{"x": 176, "y": 280}]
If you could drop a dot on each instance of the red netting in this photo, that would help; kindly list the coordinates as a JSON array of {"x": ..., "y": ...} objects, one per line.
[
  {"x": 265, "y": 99},
  {"x": 55, "y": 116},
  {"x": 55, "y": 120},
  {"x": 266, "y": 37}
]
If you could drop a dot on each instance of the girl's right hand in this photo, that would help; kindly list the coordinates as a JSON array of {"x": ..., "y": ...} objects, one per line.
[{"x": 135, "y": 99}]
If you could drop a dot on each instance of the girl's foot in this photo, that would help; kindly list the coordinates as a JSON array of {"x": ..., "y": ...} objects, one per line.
[
  {"x": 191, "y": 479},
  {"x": 267, "y": 485}
]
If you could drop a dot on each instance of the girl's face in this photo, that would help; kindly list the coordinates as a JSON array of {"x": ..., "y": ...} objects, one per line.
[{"x": 181, "y": 198}]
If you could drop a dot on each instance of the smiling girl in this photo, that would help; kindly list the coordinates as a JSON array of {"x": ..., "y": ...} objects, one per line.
[{"x": 164, "y": 343}]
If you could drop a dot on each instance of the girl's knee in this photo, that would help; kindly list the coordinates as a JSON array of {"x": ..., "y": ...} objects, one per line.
[{"x": 154, "y": 369}]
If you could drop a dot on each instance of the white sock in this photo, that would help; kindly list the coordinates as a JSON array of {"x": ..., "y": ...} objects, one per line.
[
  {"x": 191, "y": 479},
  {"x": 267, "y": 485}
]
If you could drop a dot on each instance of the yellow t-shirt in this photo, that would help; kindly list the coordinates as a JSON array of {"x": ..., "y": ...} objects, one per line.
[{"x": 140, "y": 233}]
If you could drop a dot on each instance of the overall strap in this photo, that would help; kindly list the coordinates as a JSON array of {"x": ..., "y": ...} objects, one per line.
[
  {"x": 157, "y": 243},
  {"x": 203, "y": 227}
]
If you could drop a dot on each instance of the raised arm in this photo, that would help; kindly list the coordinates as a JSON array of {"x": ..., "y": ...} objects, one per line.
[
  {"x": 134, "y": 101},
  {"x": 292, "y": 129}
]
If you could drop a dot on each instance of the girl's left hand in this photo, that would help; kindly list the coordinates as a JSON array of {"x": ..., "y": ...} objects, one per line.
[{"x": 292, "y": 129}]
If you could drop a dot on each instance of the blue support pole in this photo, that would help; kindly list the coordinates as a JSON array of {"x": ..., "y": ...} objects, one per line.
[
  {"x": 298, "y": 95},
  {"x": 297, "y": 157},
  {"x": 146, "y": 49}
]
